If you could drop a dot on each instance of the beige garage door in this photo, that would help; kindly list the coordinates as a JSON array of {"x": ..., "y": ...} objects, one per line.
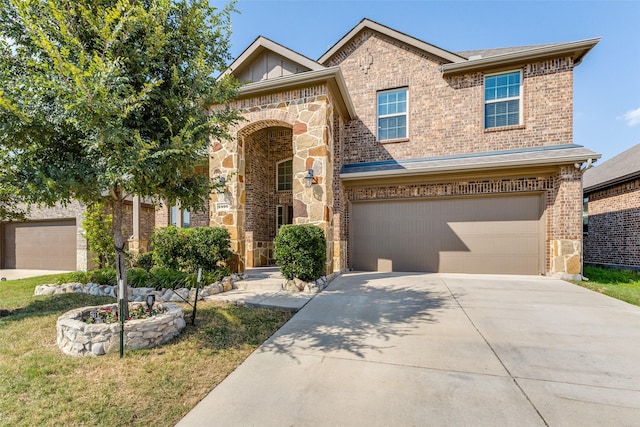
[
  {"x": 502, "y": 235},
  {"x": 46, "y": 245}
]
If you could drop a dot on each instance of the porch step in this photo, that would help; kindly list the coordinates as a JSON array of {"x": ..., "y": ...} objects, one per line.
[{"x": 262, "y": 278}]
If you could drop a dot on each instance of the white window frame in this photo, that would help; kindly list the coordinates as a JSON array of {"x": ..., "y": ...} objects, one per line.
[
  {"x": 383, "y": 116},
  {"x": 496, "y": 101},
  {"x": 290, "y": 159}
]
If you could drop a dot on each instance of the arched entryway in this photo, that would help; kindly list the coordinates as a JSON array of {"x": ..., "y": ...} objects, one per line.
[{"x": 268, "y": 176}]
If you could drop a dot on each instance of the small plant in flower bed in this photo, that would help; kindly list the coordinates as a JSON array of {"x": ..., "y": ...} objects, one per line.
[{"x": 110, "y": 314}]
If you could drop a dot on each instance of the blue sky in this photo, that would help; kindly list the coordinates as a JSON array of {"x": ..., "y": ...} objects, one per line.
[{"x": 606, "y": 84}]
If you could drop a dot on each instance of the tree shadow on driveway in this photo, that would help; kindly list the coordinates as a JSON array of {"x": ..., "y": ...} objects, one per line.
[{"x": 361, "y": 313}]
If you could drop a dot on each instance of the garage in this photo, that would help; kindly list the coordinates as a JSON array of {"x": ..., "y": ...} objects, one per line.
[
  {"x": 40, "y": 245},
  {"x": 498, "y": 234}
]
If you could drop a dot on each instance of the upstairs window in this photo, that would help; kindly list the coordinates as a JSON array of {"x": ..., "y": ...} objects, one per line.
[
  {"x": 392, "y": 114},
  {"x": 284, "y": 176},
  {"x": 502, "y": 99}
]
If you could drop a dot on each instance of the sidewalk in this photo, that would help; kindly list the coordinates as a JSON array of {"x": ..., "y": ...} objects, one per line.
[{"x": 260, "y": 298}]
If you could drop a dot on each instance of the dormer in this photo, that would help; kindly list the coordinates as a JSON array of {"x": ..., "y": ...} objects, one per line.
[{"x": 266, "y": 60}]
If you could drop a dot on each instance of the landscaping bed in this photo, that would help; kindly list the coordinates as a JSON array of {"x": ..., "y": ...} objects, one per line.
[{"x": 39, "y": 385}]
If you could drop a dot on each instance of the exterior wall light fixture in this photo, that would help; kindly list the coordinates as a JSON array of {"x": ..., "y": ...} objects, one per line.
[
  {"x": 308, "y": 178},
  {"x": 221, "y": 180}
]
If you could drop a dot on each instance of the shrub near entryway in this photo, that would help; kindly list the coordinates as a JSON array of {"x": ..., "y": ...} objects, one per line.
[
  {"x": 300, "y": 251},
  {"x": 188, "y": 249}
]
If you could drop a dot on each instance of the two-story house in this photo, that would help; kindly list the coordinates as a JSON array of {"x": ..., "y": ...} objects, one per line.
[{"x": 408, "y": 156}]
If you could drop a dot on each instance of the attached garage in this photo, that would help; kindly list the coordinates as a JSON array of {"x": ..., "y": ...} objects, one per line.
[
  {"x": 45, "y": 245},
  {"x": 496, "y": 234}
]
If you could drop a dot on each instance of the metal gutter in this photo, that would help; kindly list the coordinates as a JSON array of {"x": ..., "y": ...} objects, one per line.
[
  {"x": 578, "y": 49},
  {"x": 469, "y": 167}
]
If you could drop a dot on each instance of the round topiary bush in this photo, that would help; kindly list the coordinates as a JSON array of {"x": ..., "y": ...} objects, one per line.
[{"x": 300, "y": 251}]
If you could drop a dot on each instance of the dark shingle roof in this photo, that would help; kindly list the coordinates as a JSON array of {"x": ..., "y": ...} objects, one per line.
[
  {"x": 524, "y": 157},
  {"x": 622, "y": 167},
  {"x": 486, "y": 53}
]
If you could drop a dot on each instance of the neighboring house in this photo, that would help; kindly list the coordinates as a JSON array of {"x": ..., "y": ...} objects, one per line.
[
  {"x": 52, "y": 238},
  {"x": 612, "y": 212},
  {"x": 417, "y": 158}
]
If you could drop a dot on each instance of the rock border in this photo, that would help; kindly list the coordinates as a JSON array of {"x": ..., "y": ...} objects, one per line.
[
  {"x": 77, "y": 338},
  {"x": 140, "y": 294}
]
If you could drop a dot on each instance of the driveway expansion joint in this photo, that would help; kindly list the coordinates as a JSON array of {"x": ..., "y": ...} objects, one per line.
[{"x": 515, "y": 380}]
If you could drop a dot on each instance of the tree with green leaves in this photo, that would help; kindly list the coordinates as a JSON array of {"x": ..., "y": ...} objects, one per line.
[
  {"x": 106, "y": 99},
  {"x": 97, "y": 229}
]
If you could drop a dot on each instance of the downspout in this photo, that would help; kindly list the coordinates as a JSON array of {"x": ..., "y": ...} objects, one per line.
[{"x": 582, "y": 171}]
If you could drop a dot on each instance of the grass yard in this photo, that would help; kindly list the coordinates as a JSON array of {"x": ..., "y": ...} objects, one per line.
[
  {"x": 620, "y": 284},
  {"x": 39, "y": 385}
]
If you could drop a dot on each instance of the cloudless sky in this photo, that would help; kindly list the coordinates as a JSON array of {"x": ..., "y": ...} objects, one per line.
[{"x": 606, "y": 83}]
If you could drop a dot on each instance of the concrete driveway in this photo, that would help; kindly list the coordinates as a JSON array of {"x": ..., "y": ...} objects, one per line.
[
  {"x": 378, "y": 349},
  {"x": 12, "y": 274}
]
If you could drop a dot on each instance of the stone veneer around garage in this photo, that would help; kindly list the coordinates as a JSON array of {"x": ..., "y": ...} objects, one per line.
[{"x": 77, "y": 338}]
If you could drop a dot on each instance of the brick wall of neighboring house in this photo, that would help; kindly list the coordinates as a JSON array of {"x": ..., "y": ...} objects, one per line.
[
  {"x": 613, "y": 236},
  {"x": 446, "y": 114}
]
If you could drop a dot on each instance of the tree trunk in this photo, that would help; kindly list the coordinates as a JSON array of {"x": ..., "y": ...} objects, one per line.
[{"x": 117, "y": 204}]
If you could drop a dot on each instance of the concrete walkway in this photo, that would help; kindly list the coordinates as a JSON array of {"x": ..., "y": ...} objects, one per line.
[{"x": 379, "y": 349}]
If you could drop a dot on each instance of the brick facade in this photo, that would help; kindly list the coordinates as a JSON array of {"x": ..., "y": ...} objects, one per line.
[
  {"x": 613, "y": 236},
  {"x": 445, "y": 118},
  {"x": 446, "y": 114}
]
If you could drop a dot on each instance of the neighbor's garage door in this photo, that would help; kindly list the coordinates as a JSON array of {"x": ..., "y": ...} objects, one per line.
[
  {"x": 40, "y": 245},
  {"x": 466, "y": 235}
]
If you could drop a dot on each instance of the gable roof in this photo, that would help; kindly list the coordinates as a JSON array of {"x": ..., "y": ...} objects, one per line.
[
  {"x": 412, "y": 41},
  {"x": 259, "y": 45},
  {"x": 623, "y": 167}
]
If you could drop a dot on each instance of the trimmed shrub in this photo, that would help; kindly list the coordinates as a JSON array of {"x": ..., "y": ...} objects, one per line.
[
  {"x": 300, "y": 251},
  {"x": 190, "y": 248},
  {"x": 144, "y": 260},
  {"x": 168, "y": 247},
  {"x": 205, "y": 248}
]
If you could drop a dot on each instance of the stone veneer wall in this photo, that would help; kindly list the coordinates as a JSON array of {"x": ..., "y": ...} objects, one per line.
[
  {"x": 308, "y": 112},
  {"x": 562, "y": 212},
  {"x": 78, "y": 338},
  {"x": 446, "y": 114},
  {"x": 613, "y": 238}
]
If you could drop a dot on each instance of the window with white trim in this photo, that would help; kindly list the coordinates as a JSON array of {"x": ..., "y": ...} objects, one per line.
[
  {"x": 502, "y": 99},
  {"x": 392, "y": 114},
  {"x": 284, "y": 175}
]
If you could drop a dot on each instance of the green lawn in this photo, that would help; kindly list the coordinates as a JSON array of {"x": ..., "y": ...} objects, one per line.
[
  {"x": 39, "y": 385},
  {"x": 620, "y": 284}
]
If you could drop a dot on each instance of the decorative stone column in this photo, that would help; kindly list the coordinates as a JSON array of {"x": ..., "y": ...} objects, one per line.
[
  {"x": 227, "y": 205},
  {"x": 565, "y": 225},
  {"x": 312, "y": 147}
]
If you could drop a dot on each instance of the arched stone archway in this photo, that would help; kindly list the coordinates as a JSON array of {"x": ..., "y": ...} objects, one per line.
[{"x": 251, "y": 203}]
